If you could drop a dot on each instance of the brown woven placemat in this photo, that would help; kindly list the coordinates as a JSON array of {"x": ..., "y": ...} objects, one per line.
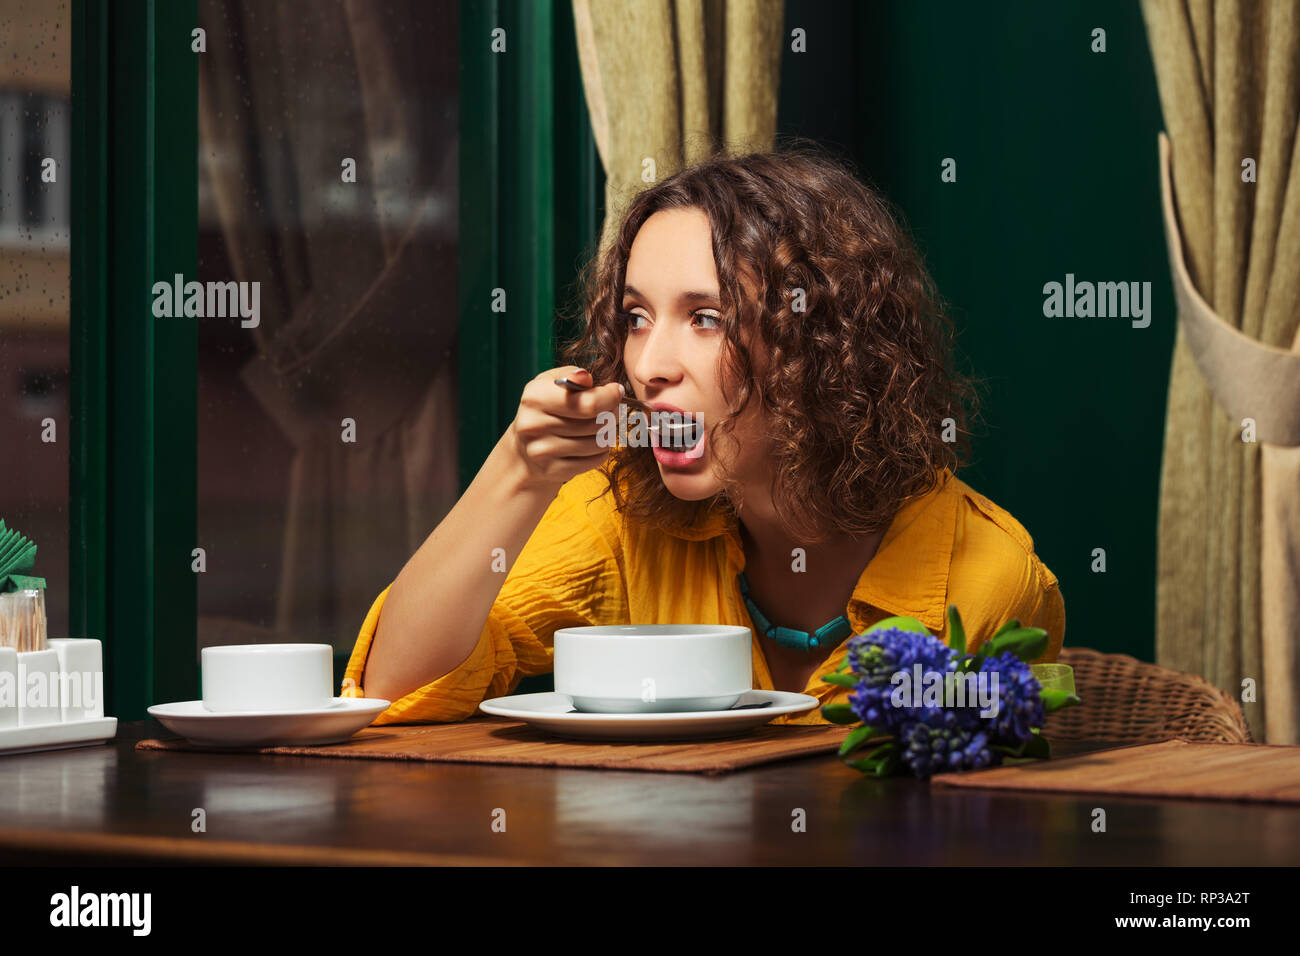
[
  {"x": 1266, "y": 773},
  {"x": 484, "y": 739}
]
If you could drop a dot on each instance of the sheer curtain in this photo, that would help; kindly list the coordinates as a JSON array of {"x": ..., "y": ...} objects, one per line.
[{"x": 358, "y": 315}]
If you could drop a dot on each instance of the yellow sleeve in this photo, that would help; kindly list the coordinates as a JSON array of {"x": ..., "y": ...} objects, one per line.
[
  {"x": 996, "y": 575},
  {"x": 1049, "y": 614},
  {"x": 1037, "y": 602},
  {"x": 569, "y": 574}
]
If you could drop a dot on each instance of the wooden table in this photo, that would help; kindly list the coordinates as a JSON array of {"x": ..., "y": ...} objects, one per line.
[{"x": 114, "y": 804}]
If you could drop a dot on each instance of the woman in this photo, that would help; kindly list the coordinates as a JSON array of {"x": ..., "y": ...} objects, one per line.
[{"x": 774, "y": 297}]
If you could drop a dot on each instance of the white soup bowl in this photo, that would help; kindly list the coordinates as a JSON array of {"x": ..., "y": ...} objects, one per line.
[{"x": 653, "y": 668}]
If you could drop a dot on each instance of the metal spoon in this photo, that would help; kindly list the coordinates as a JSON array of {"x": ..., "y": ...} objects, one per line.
[
  {"x": 629, "y": 400},
  {"x": 677, "y": 433}
]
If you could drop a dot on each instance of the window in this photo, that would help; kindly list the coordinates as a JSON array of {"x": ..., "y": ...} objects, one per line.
[
  {"x": 34, "y": 320},
  {"x": 259, "y": 468},
  {"x": 327, "y": 415}
]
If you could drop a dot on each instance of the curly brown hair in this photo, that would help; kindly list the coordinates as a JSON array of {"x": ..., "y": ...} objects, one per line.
[{"x": 860, "y": 381}]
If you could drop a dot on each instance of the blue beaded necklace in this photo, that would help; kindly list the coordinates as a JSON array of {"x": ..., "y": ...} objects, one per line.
[{"x": 829, "y": 634}]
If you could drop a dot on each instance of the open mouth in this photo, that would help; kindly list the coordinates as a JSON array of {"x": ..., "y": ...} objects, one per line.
[{"x": 678, "y": 431}]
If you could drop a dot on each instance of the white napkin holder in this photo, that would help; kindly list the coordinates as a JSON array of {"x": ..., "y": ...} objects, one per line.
[{"x": 53, "y": 699}]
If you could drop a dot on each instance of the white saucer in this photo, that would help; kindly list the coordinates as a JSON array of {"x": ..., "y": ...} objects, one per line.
[
  {"x": 554, "y": 713},
  {"x": 334, "y": 723}
]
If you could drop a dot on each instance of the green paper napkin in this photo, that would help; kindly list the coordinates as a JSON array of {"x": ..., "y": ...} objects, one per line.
[{"x": 17, "y": 554}]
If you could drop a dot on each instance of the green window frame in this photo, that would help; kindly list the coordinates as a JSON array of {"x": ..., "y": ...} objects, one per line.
[{"x": 530, "y": 179}]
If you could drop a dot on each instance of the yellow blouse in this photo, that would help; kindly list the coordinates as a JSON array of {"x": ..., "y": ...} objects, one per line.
[{"x": 585, "y": 565}]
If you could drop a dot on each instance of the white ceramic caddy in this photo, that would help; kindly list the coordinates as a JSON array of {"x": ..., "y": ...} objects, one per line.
[{"x": 54, "y": 698}]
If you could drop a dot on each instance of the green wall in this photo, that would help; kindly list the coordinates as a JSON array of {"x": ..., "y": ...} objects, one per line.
[{"x": 1056, "y": 173}]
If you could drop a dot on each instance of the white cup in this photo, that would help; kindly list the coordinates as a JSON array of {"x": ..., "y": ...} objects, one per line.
[
  {"x": 267, "y": 678},
  {"x": 653, "y": 668}
]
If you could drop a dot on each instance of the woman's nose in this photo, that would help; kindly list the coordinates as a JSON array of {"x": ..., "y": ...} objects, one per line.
[{"x": 659, "y": 355}]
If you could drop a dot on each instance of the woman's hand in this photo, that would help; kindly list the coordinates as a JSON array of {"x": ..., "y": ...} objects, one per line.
[{"x": 554, "y": 433}]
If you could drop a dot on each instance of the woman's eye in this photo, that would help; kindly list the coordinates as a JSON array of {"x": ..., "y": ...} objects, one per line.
[{"x": 631, "y": 319}]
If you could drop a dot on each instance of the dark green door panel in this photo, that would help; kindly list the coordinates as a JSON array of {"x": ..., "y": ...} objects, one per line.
[{"x": 134, "y": 106}]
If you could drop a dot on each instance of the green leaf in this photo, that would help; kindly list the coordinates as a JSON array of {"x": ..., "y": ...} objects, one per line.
[
  {"x": 841, "y": 680},
  {"x": 1054, "y": 700},
  {"x": 1017, "y": 761},
  {"x": 1011, "y": 625},
  {"x": 865, "y": 765},
  {"x": 903, "y": 623},
  {"x": 1038, "y": 747},
  {"x": 1011, "y": 751},
  {"x": 871, "y": 762},
  {"x": 883, "y": 750},
  {"x": 839, "y": 714},
  {"x": 1026, "y": 643},
  {"x": 1015, "y": 635},
  {"x": 889, "y": 764},
  {"x": 843, "y": 667},
  {"x": 857, "y": 738},
  {"x": 956, "y": 633}
]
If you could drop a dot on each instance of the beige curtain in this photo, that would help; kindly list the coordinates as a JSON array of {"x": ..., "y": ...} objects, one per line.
[
  {"x": 1229, "y": 552},
  {"x": 357, "y": 279},
  {"x": 669, "y": 80}
]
